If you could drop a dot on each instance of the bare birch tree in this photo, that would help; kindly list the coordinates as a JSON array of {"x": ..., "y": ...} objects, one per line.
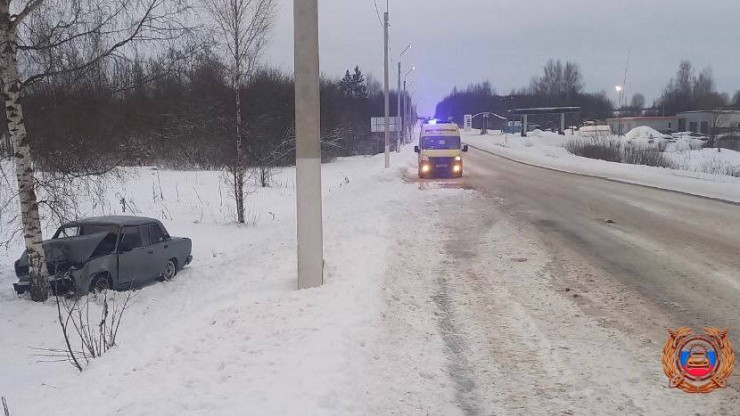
[
  {"x": 243, "y": 26},
  {"x": 48, "y": 37}
]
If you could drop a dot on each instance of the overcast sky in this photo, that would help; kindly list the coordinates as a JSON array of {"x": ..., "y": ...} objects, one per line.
[{"x": 457, "y": 42}]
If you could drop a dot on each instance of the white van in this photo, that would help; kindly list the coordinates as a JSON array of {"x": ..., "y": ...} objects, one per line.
[{"x": 440, "y": 150}]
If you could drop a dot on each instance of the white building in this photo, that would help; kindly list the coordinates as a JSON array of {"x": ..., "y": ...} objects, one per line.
[
  {"x": 702, "y": 121},
  {"x": 622, "y": 125}
]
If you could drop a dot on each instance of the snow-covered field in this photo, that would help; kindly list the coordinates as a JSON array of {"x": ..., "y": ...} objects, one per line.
[
  {"x": 231, "y": 335},
  {"x": 704, "y": 172}
]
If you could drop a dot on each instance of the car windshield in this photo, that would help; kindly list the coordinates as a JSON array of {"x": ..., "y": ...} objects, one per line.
[
  {"x": 440, "y": 142},
  {"x": 85, "y": 229}
]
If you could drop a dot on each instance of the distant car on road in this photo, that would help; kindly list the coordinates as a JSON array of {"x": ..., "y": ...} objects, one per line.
[{"x": 116, "y": 252}]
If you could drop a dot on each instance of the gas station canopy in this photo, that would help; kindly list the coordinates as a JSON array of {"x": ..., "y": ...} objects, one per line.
[{"x": 545, "y": 110}]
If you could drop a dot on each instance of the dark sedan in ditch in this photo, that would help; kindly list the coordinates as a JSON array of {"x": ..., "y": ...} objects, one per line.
[{"x": 116, "y": 252}]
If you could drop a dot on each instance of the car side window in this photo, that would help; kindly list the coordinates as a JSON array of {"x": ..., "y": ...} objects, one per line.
[
  {"x": 106, "y": 246},
  {"x": 130, "y": 239},
  {"x": 145, "y": 241},
  {"x": 156, "y": 234}
]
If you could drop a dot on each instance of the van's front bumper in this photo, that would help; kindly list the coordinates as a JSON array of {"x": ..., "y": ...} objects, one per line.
[{"x": 441, "y": 167}]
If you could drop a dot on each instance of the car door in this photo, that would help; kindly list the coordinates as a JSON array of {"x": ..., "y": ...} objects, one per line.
[
  {"x": 131, "y": 256},
  {"x": 160, "y": 247},
  {"x": 139, "y": 261},
  {"x": 151, "y": 264}
]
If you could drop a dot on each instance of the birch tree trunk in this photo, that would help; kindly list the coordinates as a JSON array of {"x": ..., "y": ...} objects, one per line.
[
  {"x": 240, "y": 165},
  {"x": 244, "y": 25},
  {"x": 22, "y": 156}
]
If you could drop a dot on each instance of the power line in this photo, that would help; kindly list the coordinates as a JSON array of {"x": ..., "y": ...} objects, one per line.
[
  {"x": 377, "y": 12},
  {"x": 380, "y": 21}
]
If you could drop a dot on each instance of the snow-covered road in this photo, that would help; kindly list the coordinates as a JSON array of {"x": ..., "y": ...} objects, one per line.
[{"x": 561, "y": 288}]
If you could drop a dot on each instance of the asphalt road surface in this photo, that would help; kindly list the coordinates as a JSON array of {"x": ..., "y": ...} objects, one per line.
[
  {"x": 557, "y": 290},
  {"x": 680, "y": 253}
]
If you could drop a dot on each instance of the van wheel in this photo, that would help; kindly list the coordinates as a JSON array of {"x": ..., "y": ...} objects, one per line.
[
  {"x": 170, "y": 270},
  {"x": 100, "y": 283}
]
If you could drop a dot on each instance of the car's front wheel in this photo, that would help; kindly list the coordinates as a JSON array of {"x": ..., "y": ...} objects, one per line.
[
  {"x": 100, "y": 283},
  {"x": 170, "y": 270}
]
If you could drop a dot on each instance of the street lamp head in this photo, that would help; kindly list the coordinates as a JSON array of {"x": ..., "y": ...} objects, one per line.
[
  {"x": 409, "y": 71},
  {"x": 619, "y": 88},
  {"x": 405, "y": 50}
]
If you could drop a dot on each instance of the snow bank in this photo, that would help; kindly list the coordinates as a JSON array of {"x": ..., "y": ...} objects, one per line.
[
  {"x": 644, "y": 132},
  {"x": 725, "y": 162},
  {"x": 684, "y": 143},
  {"x": 547, "y": 151}
]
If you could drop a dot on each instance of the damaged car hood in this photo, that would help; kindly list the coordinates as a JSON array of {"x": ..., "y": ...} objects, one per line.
[{"x": 72, "y": 250}]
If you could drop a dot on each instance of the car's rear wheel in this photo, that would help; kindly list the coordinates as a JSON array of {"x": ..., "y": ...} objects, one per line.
[
  {"x": 170, "y": 270},
  {"x": 101, "y": 283}
]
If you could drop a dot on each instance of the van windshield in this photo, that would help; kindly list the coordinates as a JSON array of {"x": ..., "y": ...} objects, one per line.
[{"x": 440, "y": 142}]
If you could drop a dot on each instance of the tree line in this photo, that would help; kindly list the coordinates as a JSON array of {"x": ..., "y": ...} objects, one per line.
[
  {"x": 181, "y": 116},
  {"x": 688, "y": 91},
  {"x": 559, "y": 85}
]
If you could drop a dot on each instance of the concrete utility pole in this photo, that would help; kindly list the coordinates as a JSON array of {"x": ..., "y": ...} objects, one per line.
[
  {"x": 406, "y": 103},
  {"x": 404, "y": 118},
  {"x": 398, "y": 109},
  {"x": 387, "y": 98},
  {"x": 308, "y": 144},
  {"x": 399, "y": 118},
  {"x": 562, "y": 123},
  {"x": 525, "y": 126},
  {"x": 619, "y": 90}
]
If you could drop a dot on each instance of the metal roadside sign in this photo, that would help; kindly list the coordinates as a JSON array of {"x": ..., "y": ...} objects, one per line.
[{"x": 377, "y": 124}]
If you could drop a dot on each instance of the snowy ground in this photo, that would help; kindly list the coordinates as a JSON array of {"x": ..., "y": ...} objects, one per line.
[
  {"x": 546, "y": 149},
  {"x": 231, "y": 335},
  {"x": 438, "y": 301}
]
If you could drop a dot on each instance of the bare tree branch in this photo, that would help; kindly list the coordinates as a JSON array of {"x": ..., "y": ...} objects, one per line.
[{"x": 30, "y": 7}]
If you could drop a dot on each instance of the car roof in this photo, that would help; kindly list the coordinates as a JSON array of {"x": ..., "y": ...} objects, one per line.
[{"x": 115, "y": 220}]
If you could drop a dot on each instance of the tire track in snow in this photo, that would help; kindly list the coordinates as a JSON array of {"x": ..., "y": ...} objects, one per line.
[{"x": 460, "y": 369}]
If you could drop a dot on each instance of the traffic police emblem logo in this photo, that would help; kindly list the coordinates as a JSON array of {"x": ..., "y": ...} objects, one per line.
[{"x": 698, "y": 363}]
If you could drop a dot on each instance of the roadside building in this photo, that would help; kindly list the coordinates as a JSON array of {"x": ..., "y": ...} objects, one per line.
[
  {"x": 623, "y": 125},
  {"x": 701, "y": 121}
]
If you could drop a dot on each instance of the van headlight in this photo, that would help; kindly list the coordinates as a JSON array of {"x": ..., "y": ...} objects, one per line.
[
  {"x": 458, "y": 158},
  {"x": 425, "y": 168}
]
